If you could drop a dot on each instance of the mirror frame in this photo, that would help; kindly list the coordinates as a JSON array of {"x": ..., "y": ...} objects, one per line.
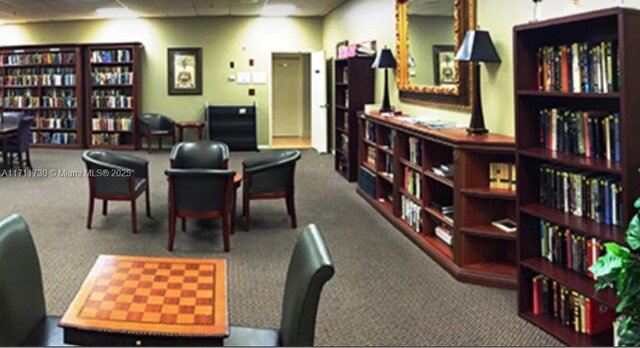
[{"x": 458, "y": 96}]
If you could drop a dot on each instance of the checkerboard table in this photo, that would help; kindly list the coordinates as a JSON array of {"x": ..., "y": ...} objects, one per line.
[{"x": 150, "y": 301}]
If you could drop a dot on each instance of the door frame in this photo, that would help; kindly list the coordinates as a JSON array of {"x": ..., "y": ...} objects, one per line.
[{"x": 270, "y": 74}]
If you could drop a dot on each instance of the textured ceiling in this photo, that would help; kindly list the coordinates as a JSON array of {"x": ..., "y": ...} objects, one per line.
[{"x": 56, "y": 10}]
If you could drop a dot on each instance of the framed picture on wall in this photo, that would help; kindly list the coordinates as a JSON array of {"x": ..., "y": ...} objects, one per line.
[
  {"x": 185, "y": 71},
  {"x": 444, "y": 65}
]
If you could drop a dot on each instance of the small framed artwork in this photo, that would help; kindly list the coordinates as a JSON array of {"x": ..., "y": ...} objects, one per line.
[
  {"x": 185, "y": 71},
  {"x": 444, "y": 65}
]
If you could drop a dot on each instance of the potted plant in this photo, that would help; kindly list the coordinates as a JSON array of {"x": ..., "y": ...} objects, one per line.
[{"x": 621, "y": 266}]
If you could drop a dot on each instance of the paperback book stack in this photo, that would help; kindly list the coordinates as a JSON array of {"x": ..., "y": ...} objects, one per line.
[{"x": 502, "y": 176}]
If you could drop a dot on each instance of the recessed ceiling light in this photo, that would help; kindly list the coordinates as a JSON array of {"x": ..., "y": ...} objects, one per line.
[
  {"x": 116, "y": 12},
  {"x": 278, "y": 9}
]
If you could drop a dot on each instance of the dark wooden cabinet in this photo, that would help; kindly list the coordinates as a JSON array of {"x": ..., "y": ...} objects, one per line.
[
  {"x": 620, "y": 27},
  {"x": 433, "y": 185},
  {"x": 233, "y": 125},
  {"x": 354, "y": 83},
  {"x": 113, "y": 95},
  {"x": 46, "y": 82}
]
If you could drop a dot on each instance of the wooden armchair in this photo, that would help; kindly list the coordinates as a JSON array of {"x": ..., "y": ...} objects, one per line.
[{"x": 157, "y": 126}]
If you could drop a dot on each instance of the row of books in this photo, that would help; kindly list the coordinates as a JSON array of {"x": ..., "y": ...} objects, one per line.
[
  {"x": 502, "y": 175},
  {"x": 583, "y": 133},
  {"x": 111, "y": 122},
  {"x": 581, "y": 193},
  {"x": 67, "y": 121},
  {"x": 387, "y": 166},
  {"x": 110, "y": 56},
  {"x": 344, "y": 143},
  {"x": 68, "y": 138},
  {"x": 570, "y": 307},
  {"x": 415, "y": 150},
  {"x": 59, "y": 102},
  {"x": 105, "y": 139},
  {"x": 445, "y": 209},
  {"x": 39, "y": 58},
  {"x": 40, "y": 80},
  {"x": 388, "y": 139},
  {"x": 370, "y": 131},
  {"x": 412, "y": 182},
  {"x": 112, "y": 78},
  {"x": 371, "y": 155},
  {"x": 346, "y": 98},
  {"x": 411, "y": 213},
  {"x": 21, "y": 102},
  {"x": 345, "y": 75},
  {"x": 444, "y": 233},
  {"x": 112, "y": 101},
  {"x": 569, "y": 249},
  {"x": 579, "y": 67},
  {"x": 367, "y": 181}
]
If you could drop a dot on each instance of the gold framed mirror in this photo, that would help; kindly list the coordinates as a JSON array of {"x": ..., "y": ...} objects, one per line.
[{"x": 428, "y": 34}]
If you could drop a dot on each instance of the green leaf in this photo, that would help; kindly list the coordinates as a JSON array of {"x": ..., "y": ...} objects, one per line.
[
  {"x": 636, "y": 204},
  {"x": 616, "y": 249},
  {"x": 606, "y": 264},
  {"x": 633, "y": 232}
]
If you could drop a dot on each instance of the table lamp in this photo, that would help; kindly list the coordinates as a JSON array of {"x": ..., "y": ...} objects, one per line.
[
  {"x": 477, "y": 47},
  {"x": 385, "y": 60}
]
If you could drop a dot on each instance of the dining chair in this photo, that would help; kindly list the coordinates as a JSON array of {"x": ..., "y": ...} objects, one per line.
[
  {"x": 157, "y": 126},
  {"x": 200, "y": 194},
  {"x": 269, "y": 176},
  {"x": 19, "y": 144},
  {"x": 116, "y": 176},
  {"x": 23, "y": 321},
  {"x": 310, "y": 268}
]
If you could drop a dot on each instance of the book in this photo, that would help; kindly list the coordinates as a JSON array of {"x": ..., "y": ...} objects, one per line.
[{"x": 506, "y": 225}]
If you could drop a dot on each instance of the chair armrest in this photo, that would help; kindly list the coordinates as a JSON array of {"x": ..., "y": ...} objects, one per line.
[
  {"x": 145, "y": 127},
  {"x": 113, "y": 175},
  {"x": 262, "y": 163}
]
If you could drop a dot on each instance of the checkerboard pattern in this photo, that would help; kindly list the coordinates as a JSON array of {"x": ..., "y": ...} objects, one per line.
[{"x": 153, "y": 293}]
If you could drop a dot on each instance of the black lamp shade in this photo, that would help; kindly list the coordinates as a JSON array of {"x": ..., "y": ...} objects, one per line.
[
  {"x": 477, "y": 47},
  {"x": 384, "y": 59}
]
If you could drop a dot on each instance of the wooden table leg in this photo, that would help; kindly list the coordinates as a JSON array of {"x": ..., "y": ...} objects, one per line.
[
  {"x": 200, "y": 133},
  {"x": 180, "y": 134},
  {"x": 5, "y": 161}
]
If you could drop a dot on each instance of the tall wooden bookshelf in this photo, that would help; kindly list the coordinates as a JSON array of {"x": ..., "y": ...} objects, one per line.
[
  {"x": 113, "y": 95},
  {"x": 400, "y": 175},
  {"x": 46, "y": 82},
  {"x": 616, "y": 25},
  {"x": 354, "y": 83}
]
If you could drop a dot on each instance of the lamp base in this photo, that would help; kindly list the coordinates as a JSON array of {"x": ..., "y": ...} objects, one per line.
[
  {"x": 477, "y": 131},
  {"x": 383, "y": 109}
]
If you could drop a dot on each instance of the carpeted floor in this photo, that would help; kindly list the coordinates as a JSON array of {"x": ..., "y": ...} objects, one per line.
[{"x": 385, "y": 290}]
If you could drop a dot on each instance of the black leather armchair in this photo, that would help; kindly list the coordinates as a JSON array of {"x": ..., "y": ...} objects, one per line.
[
  {"x": 269, "y": 176},
  {"x": 115, "y": 176},
  {"x": 23, "y": 321},
  {"x": 203, "y": 154},
  {"x": 201, "y": 194},
  {"x": 157, "y": 126},
  {"x": 310, "y": 269},
  {"x": 20, "y": 143}
]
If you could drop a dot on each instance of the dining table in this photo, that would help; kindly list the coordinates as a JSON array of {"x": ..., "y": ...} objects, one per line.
[
  {"x": 139, "y": 300},
  {"x": 7, "y": 130}
]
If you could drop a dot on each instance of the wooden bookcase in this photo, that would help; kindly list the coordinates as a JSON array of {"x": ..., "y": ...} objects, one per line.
[
  {"x": 354, "y": 83},
  {"x": 610, "y": 25},
  {"x": 46, "y": 82},
  {"x": 113, "y": 95},
  {"x": 480, "y": 253}
]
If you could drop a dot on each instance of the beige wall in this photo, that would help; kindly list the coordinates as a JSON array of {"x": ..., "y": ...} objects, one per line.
[
  {"x": 424, "y": 33},
  {"x": 360, "y": 20},
  {"x": 222, "y": 40}
]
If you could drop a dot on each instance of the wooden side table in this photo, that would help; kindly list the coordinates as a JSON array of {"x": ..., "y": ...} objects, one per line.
[{"x": 182, "y": 125}]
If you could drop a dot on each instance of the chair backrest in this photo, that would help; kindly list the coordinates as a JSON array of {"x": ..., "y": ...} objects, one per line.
[
  {"x": 22, "y": 304},
  {"x": 156, "y": 122},
  {"x": 24, "y": 128},
  {"x": 111, "y": 171},
  {"x": 12, "y": 117},
  {"x": 200, "y": 190},
  {"x": 203, "y": 154},
  {"x": 272, "y": 172},
  {"x": 309, "y": 269}
]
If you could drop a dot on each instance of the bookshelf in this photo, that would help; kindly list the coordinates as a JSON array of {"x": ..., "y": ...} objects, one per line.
[
  {"x": 447, "y": 212},
  {"x": 113, "y": 95},
  {"x": 538, "y": 214},
  {"x": 46, "y": 82},
  {"x": 354, "y": 83}
]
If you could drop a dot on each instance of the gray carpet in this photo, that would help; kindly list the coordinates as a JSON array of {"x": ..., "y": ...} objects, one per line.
[{"x": 385, "y": 290}]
